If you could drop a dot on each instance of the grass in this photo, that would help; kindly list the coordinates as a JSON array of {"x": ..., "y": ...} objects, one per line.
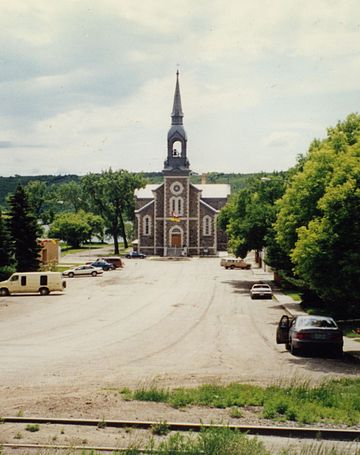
[
  {"x": 335, "y": 401},
  {"x": 66, "y": 249},
  {"x": 227, "y": 442},
  {"x": 293, "y": 294},
  {"x": 32, "y": 428}
]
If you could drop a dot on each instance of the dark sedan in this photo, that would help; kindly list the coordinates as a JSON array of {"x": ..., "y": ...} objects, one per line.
[
  {"x": 310, "y": 333},
  {"x": 103, "y": 265},
  {"x": 135, "y": 255}
]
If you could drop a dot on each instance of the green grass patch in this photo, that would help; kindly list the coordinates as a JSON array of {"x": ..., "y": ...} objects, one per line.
[
  {"x": 32, "y": 428},
  {"x": 334, "y": 401},
  {"x": 295, "y": 295},
  {"x": 66, "y": 249}
]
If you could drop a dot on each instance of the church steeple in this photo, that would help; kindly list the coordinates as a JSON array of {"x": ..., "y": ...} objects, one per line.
[
  {"x": 177, "y": 113},
  {"x": 177, "y": 162}
]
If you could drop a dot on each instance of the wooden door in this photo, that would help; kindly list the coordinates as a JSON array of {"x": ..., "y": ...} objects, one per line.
[{"x": 176, "y": 240}]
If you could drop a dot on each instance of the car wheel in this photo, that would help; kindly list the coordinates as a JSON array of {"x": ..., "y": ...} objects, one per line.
[
  {"x": 293, "y": 350},
  {"x": 287, "y": 346},
  {"x": 232, "y": 267},
  {"x": 93, "y": 273},
  {"x": 44, "y": 291},
  {"x": 4, "y": 292},
  {"x": 338, "y": 352},
  {"x": 71, "y": 275}
]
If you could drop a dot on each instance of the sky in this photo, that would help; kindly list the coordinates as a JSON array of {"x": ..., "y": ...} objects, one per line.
[{"x": 88, "y": 85}]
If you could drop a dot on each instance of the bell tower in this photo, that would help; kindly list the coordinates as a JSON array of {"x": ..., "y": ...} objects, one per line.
[{"x": 177, "y": 162}]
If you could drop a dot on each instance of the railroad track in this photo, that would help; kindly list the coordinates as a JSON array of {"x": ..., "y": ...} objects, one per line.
[{"x": 335, "y": 434}]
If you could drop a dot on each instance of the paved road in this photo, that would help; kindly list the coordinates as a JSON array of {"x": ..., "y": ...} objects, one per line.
[{"x": 179, "y": 322}]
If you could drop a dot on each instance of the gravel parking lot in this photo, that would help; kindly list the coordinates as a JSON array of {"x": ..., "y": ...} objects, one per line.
[{"x": 171, "y": 322}]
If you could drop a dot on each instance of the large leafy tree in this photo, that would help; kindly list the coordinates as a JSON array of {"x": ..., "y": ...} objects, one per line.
[
  {"x": 24, "y": 232},
  {"x": 318, "y": 221},
  {"x": 36, "y": 192},
  {"x": 76, "y": 227},
  {"x": 112, "y": 196},
  {"x": 326, "y": 254},
  {"x": 249, "y": 215}
]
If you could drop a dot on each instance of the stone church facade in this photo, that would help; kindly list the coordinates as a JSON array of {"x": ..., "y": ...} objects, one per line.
[{"x": 178, "y": 217}]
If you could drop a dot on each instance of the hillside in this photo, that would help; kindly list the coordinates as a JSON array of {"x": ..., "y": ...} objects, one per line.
[{"x": 8, "y": 184}]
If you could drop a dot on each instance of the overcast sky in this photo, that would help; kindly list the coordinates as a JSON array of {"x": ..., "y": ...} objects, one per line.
[{"x": 88, "y": 85}]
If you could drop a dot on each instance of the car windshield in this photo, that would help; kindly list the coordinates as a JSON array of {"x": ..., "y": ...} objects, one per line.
[{"x": 304, "y": 321}]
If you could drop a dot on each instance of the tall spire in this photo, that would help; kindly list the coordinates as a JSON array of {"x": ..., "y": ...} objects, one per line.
[{"x": 177, "y": 113}]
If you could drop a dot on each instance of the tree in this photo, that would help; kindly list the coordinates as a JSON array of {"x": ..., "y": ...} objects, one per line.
[
  {"x": 317, "y": 226},
  {"x": 112, "y": 196},
  {"x": 72, "y": 197},
  {"x": 6, "y": 250},
  {"x": 71, "y": 227},
  {"x": 326, "y": 254},
  {"x": 36, "y": 192},
  {"x": 249, "y": 215},
  {"x": 24, "y": 232}
]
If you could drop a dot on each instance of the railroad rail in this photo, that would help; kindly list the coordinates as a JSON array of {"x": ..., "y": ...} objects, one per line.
[{"x": 339, "y": 434}]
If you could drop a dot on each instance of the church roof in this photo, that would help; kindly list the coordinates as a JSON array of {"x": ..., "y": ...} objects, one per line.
[
  {"x": 214, "y": 190},
  {"x": 147, "y": 191},
  {"x": 208, "y": 191}
]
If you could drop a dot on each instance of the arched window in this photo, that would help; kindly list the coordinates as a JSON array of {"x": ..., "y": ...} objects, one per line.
[
  {"x": 147, "y": 225},
  {"x": 177, "y": 205},
  {"x": 207, "y": 225},
  {"x": 177, "y": 149}
]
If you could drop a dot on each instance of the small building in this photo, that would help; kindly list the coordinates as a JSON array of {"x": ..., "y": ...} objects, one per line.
[
  {"x": 178, "y": 217},
  {"x": 50, "y": 251}
]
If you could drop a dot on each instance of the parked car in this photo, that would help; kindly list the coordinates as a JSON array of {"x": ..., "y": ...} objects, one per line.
[
  {"x": 261, "y": 291},
  {"x": 114, "y": 260},
  {"x": 234, "y": 263},
  {"x": 83, "y": 270},
  {"x": 104, "y": 265},
  {"x": 310, "y": 332},
  {"x": 135, "y": 255}
]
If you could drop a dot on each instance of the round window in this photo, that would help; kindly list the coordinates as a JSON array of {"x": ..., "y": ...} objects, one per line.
[{"x": 176, "y": 188}]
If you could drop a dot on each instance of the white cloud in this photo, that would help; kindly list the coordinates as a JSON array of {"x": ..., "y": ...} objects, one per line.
[{"x": 91, "y": 83}]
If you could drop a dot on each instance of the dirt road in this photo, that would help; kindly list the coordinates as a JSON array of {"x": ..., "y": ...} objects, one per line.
[{"x": 173, "y": 322}]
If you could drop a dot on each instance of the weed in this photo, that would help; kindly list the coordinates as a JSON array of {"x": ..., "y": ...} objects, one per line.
[
  {"x": 18, "y": 435},
  {"x": 54, "y": 438},
  {"x": 152, "y": 394},
  {"x": 334, "y": 401},
  {"x": 101, "y": 424},
  {"x": 32, "y": 428},
  {"x": 20, "y": 413},
  {"x": 160, "y": 429},
  {"x": 62, "y": 431},
  {"x": 235, "y": 413}
]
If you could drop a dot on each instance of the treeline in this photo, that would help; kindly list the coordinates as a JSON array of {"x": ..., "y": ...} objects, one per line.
[
  {"x": 8, "y": 184},
  {"x": 307, "y": 220}
]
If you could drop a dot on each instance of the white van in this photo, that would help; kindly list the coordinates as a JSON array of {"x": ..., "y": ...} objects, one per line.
[{"x": 33, "y": 282}]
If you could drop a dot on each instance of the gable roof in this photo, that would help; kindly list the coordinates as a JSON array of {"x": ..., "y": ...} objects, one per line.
[
  {"x": 214, "y": 190},
  {"x": 147, "y": 191}
]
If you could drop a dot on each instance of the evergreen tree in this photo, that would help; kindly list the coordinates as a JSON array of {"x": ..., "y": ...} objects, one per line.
[
  {"x": 5, "y": 244},
  {"x": 6, "y": 256},
  {"x": 24, "y": 229}
]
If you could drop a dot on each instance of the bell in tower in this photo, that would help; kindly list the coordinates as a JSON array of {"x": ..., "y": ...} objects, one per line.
[{"x": 177, "y": 162}]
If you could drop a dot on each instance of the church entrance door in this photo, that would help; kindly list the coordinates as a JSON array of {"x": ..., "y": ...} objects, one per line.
[{"x": 176, "y": 240}]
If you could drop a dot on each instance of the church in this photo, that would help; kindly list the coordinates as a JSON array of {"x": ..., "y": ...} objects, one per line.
[{"x": 177, "y": 217}]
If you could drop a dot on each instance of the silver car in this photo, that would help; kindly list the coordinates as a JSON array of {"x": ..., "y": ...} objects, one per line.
[{"x": 261, "y": 291}]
